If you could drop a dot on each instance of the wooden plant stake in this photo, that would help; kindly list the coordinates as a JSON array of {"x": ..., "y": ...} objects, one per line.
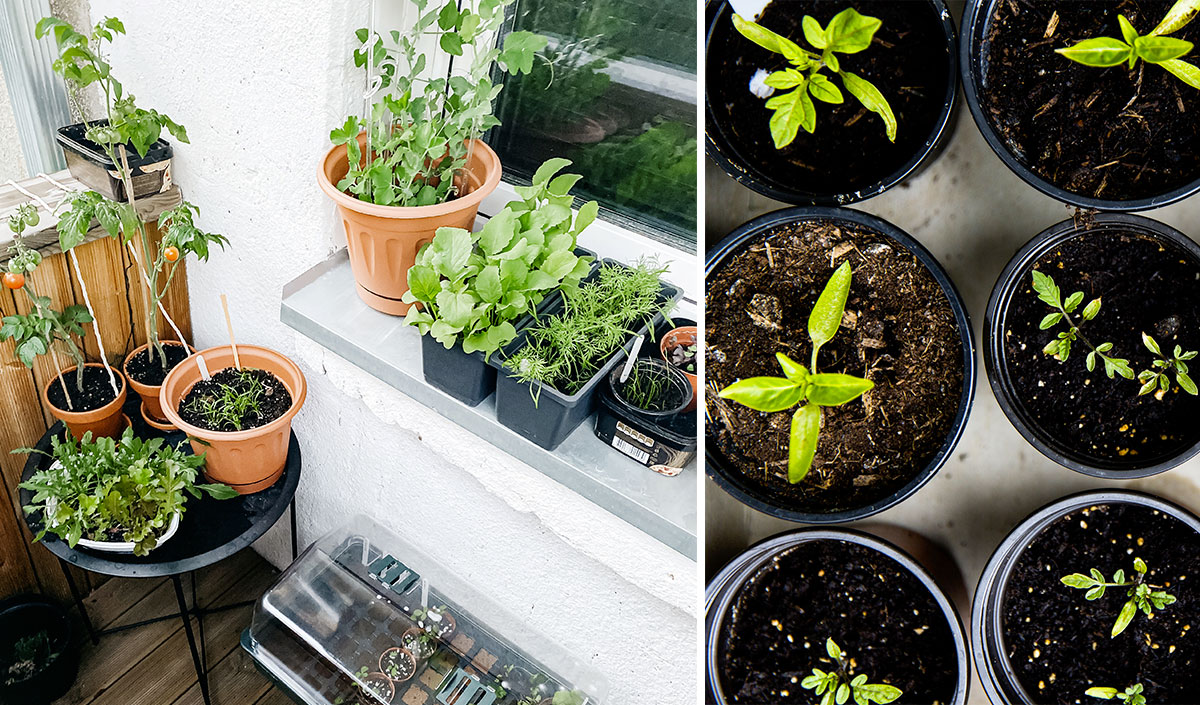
[
  {"x": 61, "y": 379},
  {"x": 237, "y": 360}
]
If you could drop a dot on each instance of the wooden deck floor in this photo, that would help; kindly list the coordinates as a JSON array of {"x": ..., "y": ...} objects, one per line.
[{"x": 151, "y": 665}]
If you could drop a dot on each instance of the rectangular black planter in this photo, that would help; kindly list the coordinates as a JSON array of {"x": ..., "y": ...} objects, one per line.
[{"x": 88, "y": 163}]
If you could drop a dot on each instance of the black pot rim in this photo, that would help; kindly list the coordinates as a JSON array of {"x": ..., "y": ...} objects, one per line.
[
  {"x": 58, "y": 626},
  {"x": 732, "y": 481},
  {"x": 723, "y": 587},
  {"x": 995, "y": 318},
  {"x": 970, "y": 63},
  {"x": 722, "y": 153},
  {"x": 999, "y": 682},
  {"x": 674, "y": 373}
]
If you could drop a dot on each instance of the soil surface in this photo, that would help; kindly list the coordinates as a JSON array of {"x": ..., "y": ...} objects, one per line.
[
  {"x": 273, "y": 399},
  {"x": 96, "y": 391},
  {"x": 908, "y": 61},
  {"x": 151, "y": 372},
  {"x": 884, "y": 620},
  {"x": 1144, "y": 285},
  {"x": 1059, "y": 643},
  {"x": 898, "y": 331},
  {"x": 1099, "y": 132}
]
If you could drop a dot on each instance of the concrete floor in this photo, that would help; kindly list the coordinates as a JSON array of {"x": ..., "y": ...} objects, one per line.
[{"x": 973, "y": 214}]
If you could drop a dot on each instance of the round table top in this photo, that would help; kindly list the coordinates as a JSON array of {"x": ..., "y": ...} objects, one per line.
[{"x": 209, "y": 531}]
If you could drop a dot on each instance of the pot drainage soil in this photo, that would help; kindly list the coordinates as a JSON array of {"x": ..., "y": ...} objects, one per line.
[
  {"x": 877, "y": 612},
  {"x": 898, "y": 331},
  {"x": 97, "y": 391},
  {"x": 1145, "y": 285},
  {"x": 1105, "y": 133},
  {"x": 208, "y": 403},
  {"x": 1059, "y": 643},
  {"x": 150, "y": 372}
]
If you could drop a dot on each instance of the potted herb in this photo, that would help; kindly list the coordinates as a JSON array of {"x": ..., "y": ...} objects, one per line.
[
  {"x": 680, "y": 347},
  {"x": 240, "y": 418},
  {"x": 38, "y": 662},
  {"x": 437, "y": 620},
  {"x": 824, "y": 103},
  {"x": 832, "y": 615},
  {"x": 476, "y": 289},
  {"x": 398, "y": 664},
  {"x": 415, "y": 162},
  {"x": 1099, "y": 314},
  {"x": 822, "y": 325},
  {"x": 421, "y": 642},
  {"x": 375, "y": 687},
  {"x": 644, "y": 415},
  {"x": 1089, "y": 102},
  {"x": 1088, "y": 593}
]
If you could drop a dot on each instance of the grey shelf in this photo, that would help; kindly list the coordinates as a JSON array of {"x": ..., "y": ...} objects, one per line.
[{"x": 322, "y": 305}]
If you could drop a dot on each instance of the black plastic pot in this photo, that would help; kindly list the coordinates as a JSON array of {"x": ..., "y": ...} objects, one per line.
[
  {"x": 995, "y": 321},
  {"x": 987, "y": 642},
  {"x": 88, "y": 163},
  {"x": 976, "y": 19},
  {"x": 24, "y": 616},
  {"x": 732, "y": 481},
  {"x": 724, "y": 152},
  {"x": 663, "y": 440},
  {"x": 724, "y": 587}
]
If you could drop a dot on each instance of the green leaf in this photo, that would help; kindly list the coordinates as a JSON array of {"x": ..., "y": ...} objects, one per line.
[
  {"x": 1073, "y": 301},
  {"x": 1180, "y": 14},
  {"x": 814, "y": 34},
  {"x": 783, "y": 80},
  {"x": 1099, "y": 52},
  {"x": 767, "y": 394},
  {"x": 1090, "y": 311},
  {"x": 1046, "y": 289},
  {"x": 832, "y": 389},
  {"x": 826, "y": 316},
  {"x": 548, "y": 169},
  {"x": 791, "y": 369},
  {"x": 1127, "y": 31},
  {"x": 1159, "y": 49},
  {"x": 488, "y": 284},
  {"x": 1102, "y": 693},
  {"x": 519, "y": 50},
  {"x": 843, "y": 694},
  {"x": 1140, "y": 566},
  {"x": 872, "y": 100},
  {"x": 1184, "y": 71},
  {"x": 831, "y": 648},
  {"x": 451, "y": 249},
  {"x": 1078, "y": 580},
  {"x": 455, "y": 308},
  {"x": 793, "y": 110},
  {"x": 452, "y": 44},
  {"x": 765, "y": 38},
  {"x": 850, "y": 32},
  {"x": 1186, "y": 383},
  {"x": 1151, "y": 344},
  {"x": 802, "y": 446},
  {"x": 824, "y": 90},
  {"x": 1050, "y": 320},
  {"x": 880, "y": 692},
  {"x": 498, "y": 232},
  {"x": 1123, "y": 619},
  {"x": 585, "y": 217}
]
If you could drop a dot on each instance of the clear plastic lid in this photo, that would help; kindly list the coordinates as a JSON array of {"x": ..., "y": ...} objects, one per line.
[{"x": 363, "y": 618}]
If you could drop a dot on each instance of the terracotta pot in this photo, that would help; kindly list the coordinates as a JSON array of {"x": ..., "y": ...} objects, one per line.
[
  {"x": 109, "y": 421},
  {"x": 251, "y": 460},
  {"x": 383, "y": 241},
  {"x": 401, "y": 654},
  {"x": 151, "y": 406},
  {"x": 684, "y": 335}
]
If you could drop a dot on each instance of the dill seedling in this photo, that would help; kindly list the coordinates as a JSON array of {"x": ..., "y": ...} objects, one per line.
[
  {"x": 648, "y": 386},
  {"x": 233, "y": 404}
]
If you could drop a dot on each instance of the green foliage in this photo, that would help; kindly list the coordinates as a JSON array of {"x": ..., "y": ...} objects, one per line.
[
  {"x": 21, "y": 259},
  {"x": 568, "y": 697},
  {"x": 106, "y": 490},
  {"x": 179, "y": 230},
  {"x": 1142, "y": 596},
  {"x": 118, "y": 219},
  {"x": 811, "y": 390},
  {"x": 836, "y": 687},
  {"x": 847, "y": 33},
  {"x": 647, "y": 386},
  {"x": 1153, "y": 48},
  {"x": 1157, "y": 376},
  {"x": 31, "y": 654},
  {"x": 418, "y": 130},
  {"x": 472, "y": 286},
  {"x": 233, "y": 405},
  {"x": 1131, "y": 696}
]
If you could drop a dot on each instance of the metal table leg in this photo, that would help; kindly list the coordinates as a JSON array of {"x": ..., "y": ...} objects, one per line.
[
  {"x": 87, "y": 620},
  {"x": 295, "y": 541},
  {"x": 185, "y": 615}
]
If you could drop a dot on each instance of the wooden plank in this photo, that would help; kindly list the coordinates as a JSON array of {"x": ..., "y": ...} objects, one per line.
[
  {"x": 275, "y": 696},
  {"x": 102, "y": 268},
  {"x": 234, "y": 679},
  {"x": 106, "y": 604},
  {"x": 49, "y": 279}
]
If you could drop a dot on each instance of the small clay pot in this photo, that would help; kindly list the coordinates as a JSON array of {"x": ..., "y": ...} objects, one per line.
[
  {"x": 109, "y": 421},
  {"x": 402, "y": 659},
  {"x": 421, "y": 649},
  {"x": 151, "y": 405},
  {"x": 682, "y": 336},
  {"x": 380, "y": 686}
]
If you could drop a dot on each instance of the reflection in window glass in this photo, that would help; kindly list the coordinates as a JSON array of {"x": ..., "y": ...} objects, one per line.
[{"x": 614, "y": 92}]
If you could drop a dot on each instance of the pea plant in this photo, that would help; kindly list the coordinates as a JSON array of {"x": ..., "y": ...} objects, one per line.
[
  {"x": 836, "y": 687},
  {"x": 847, "y": 33},
  {"x": 419, "y": 132},
  {"x": 1153, "y": 48},
  {"x": 1142, "y": 596},
  {"x": 802, "y": 386},
  {"x": 1131, "y": 696}
]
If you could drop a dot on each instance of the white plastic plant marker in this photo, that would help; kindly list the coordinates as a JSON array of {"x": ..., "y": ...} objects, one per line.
[
  {"x": 633, "y": 354},
  {"x": 203, "y": 365},
  {"x": 749, "y": 9}
]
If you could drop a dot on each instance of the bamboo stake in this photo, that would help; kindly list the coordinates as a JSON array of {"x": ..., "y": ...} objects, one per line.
[
  {"x": 237, "y": 360},
  {"x": 61, "y": 379}
]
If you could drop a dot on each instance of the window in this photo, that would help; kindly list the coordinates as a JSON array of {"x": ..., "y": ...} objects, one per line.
[{"x": 615, "y": 92}]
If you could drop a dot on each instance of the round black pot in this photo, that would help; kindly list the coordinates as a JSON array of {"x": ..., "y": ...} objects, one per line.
[
  {"x": 680, "y": 388},
  {"x": 724, "y": 587},
  {"x": 732, "y": 481},
  {"x": 995, "y": 321},
  {"x": 725, "y": 153},
  {"x": 975, "y": 25},
  {"x": 987, "y": 642},
  {"x": 23, "y": 616}
]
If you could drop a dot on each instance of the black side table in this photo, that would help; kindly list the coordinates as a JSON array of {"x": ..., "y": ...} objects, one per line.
[{"x": 211, "y": 530}]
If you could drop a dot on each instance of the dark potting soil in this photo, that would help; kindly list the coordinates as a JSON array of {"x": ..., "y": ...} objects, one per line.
[
  {"x": 883, "y": 618},
  {"x": 151, "y": 372},
  {"x": 1105, "y": 133},
  {"x": 1144, "y": 285},
  {"x": 272, "y": 397},
  {"x": 849, "y": 151},
  {"x": 898, "y": 331},
  {"x": 1059, "y": 643},
  {"x": 96, "y": 391}
]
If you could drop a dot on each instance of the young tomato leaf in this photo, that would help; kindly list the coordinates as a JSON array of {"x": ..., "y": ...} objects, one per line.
[
  {"x": 1100, "y": 52},
  {"x": 767, "y": 394},
  {"x": 1124, "y": 618},
  {"x": 872, "y": 100},
  {"x": 793, "y": 110},
  {"x": 813, "y": 32},
  {"x": 849, "y": 32},
  {"x": 824, "y": 90},
  {"x": 765, "y": 38},
  {"x": 832, "y": 389},
  {"x": 826, "y": 315},
  {"x": 806, "y": 429}
]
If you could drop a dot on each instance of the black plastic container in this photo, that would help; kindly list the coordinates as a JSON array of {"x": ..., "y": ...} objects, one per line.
[
  {"x": 1011, "y": 280},
  {"x": 88, "y": 163},
  {"x": 987, "y": 643},
  {"x": 24, "y": 616},
  {"x": 731, "y": 480},
  {"x": 724, "y": 152},
  {"x": 664, "y": 441},
  {"x": 976, "y": 18}
]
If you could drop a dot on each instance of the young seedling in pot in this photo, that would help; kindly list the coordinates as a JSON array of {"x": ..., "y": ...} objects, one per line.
[
  {"x": 837, "y": 686},
  {"x": 1131, "y": 696},
  {"x": 1153, "y": 48},
  {"x": 847, "y": 33},
  {"x": 806, "y": 387},
  {"x": 1142, "y": 596},
  {"x": 1157, "y": 377}
]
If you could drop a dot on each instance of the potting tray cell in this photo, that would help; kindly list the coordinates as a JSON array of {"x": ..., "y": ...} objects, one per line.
[{"x": 321, "y": 629}]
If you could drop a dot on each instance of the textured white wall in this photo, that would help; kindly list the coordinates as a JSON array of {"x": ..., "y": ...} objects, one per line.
[{"x": 259, "y": 85}]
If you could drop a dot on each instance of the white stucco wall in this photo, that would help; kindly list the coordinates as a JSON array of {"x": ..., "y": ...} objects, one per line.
[
  {"x": 259, "y": 85},
  {"x": 12, "y": 163}
]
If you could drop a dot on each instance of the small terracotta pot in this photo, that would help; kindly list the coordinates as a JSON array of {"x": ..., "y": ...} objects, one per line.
[
  {"x": 109, "y": 421},
  {"x": 251, "y": 460},
  {"x": 384, "y": 683},
  {"x": 684, "y": 335},
  {"x": 383, "y": 241},
  {"x": 151, "y": 406},
  {"x": 401, "y": 654}
]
